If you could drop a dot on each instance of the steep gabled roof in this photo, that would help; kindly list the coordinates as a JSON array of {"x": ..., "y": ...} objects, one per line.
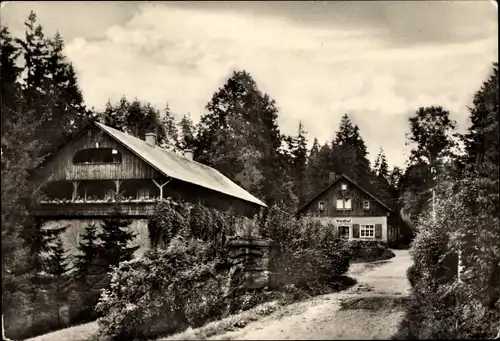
[
  {"x": 352, "y": 182},
  {"x": 178, "y": 167},
  {"x": 171, "y": 164}
]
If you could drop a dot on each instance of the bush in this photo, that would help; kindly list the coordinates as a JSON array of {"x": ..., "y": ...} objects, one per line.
[
  {"x": 369, "y": 250},
  {"x": 163, "y": 292},
  {"x": 306, "y": 253}
]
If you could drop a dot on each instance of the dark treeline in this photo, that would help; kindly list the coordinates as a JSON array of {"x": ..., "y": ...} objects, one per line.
[{"x": 238, "y": 134}]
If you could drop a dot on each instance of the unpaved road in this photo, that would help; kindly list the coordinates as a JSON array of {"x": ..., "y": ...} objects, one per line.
[{"x": 369, "y": 310}]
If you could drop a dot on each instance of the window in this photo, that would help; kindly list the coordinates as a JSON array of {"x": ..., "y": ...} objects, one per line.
[
  {"x": 366, "y": 204},
  {"x": 143, "y": 193},
  {"x": 344, "y": 204},
  {"x": 367, "y": 231},
  {"x": 340, "y": 204},
  {"x": 97, "y": 155},
  {"x": 321, "y": 205},
  {"x": 344, "y": 232},
  {"x": 343, "y": 187},
  {"x": 347, "y": 204}
]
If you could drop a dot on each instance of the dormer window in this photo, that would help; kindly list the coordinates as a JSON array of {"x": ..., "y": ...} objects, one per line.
[
  {"x": 321, "y": 205},
  {"x": 366, "y": 205},
  {"x": 343, "y": 187}
]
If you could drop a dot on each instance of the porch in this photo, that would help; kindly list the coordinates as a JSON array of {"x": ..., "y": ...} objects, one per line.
[{"x": 96, "y": 198}]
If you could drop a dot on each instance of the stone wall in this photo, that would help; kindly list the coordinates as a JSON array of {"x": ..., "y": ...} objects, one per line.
[{"x": 249, "y": 257}]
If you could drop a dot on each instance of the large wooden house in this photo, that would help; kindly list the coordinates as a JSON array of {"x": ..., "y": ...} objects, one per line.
[
  {"x": 84, "y": 176},
  {"x": 352, "y": 210}
]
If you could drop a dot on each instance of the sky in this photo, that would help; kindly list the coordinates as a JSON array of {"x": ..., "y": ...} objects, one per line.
[{"x": 376, "y": 61}]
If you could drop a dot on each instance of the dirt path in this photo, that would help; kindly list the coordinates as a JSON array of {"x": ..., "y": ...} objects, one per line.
[{"x": 369, "y": 310}]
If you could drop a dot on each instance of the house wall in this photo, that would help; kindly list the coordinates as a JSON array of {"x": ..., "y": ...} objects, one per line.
[
  {"x": 76, "y": 228},
  {"x": 357, "y": 196},
  {"x": 342, "y": 221},
  {"x": 61, "y": 167}
]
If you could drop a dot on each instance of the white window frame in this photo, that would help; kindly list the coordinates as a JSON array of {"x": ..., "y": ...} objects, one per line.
[
  {"x": 366, "y": 204},
  {"x": 367, "y": 231},
  {"x": 344, "y": 205},
  {"x": 343, "y": 187}
]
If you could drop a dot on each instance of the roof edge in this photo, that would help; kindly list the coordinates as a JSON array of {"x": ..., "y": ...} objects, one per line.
[
  {"x": 100, "y": 126},
  {"x": 332, "y": 183}
]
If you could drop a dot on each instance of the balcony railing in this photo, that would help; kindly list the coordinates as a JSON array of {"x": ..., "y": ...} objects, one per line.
[{"x": 95, "y": 208}]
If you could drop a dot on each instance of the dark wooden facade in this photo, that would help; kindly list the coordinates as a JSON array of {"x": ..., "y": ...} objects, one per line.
[
  {"x": 364, "y": 219},
  {"x": 61, "y": 166},
  {"x": 357, "y": 196},
  {"x": 68, "y": 184}
]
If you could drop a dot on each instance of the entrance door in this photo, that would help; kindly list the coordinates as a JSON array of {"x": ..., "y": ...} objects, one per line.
[{"x": 344, "y": 232}]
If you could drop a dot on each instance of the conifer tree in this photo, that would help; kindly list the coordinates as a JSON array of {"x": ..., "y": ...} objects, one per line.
[
  {"x": 187, "y": 134},
  {"x": 246, "y": 117},
  {"x": 381, "y": 168},
  {"x": 298, "y": 150},
  {"x": 87, "y": 276},
  {"x": 170, "y": 127},
  {"x": 116, "y": 239}
]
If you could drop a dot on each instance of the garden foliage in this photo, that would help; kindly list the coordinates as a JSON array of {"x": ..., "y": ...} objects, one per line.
[{"x": 184, "y": 280}]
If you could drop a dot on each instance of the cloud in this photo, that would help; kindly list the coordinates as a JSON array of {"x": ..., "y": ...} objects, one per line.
[
  {"x": 87, "y": 19},
  {"x": 374, "y": 61}
]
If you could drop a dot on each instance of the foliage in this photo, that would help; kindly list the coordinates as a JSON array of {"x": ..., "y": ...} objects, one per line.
[
  {"x": 166, "y": 223},
  {"x": 137, "y": 118},
  {"x": 369, "y": 250},
  {"x": 50, "y": 87},
  {"x": 445, "y": 303},
  {"x": 100, "y": 251},
  {"x": 381, "y": 168},
  {"x": 307, "y": 253},
  {"x": 163, "y": 292},
  {"x": 239, "y": 118},
  {"x": 187, "y": 133},
  {"x": 297, "y": 146}
]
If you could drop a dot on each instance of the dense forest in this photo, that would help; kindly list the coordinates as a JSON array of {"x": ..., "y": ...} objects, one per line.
[{"x": 238, "y": 134}]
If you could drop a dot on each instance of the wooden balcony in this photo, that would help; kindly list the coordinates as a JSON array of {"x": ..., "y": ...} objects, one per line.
[{"x": 95, "y": 208}]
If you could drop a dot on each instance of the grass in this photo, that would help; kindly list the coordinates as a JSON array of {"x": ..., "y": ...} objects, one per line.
[
  {"x": 279, "y": 307},
  {"x": 82, "y": 332},
  {"x": 230, "y": 323}
]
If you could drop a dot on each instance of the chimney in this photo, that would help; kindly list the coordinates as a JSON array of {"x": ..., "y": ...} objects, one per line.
[
  {"x": 151, "y": 139},
  {"x": 188, "y": 154},
  {"x": 332, "y": 177}
]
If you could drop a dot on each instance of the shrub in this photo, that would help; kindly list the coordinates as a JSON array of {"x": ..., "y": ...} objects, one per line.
[
  {"x": 369, "y": 250},
  {"x": 163, "y": 292},
  {"x": 306, "y": 253}
]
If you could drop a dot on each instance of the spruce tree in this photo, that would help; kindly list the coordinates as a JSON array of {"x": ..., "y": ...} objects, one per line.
[
  {"x": 313, "y": 170},
  {"x": 87, "y": 276},
  {"x": 349, "y": 151},
  {"x": 298, "y": 150},
  {"x": 187, "y": 134},
  {"x": 115, "y": 239},
  {"x": 170, "y": 127},
  {"x": 381, "y": 168}
]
